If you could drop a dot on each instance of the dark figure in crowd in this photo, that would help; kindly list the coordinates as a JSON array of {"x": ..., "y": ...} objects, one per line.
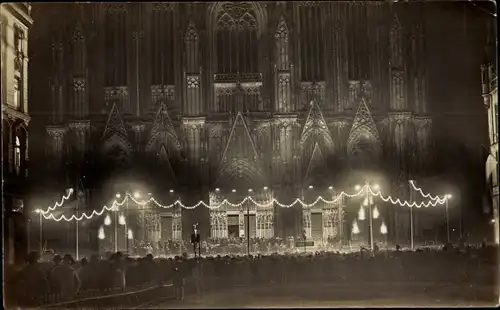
[{"x": 179, "y": 276}]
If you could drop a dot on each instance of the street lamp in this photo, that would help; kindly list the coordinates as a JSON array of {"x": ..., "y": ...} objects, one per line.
[
  {"x": 137, "y": 195},
  {"x": 383, "y": 231},
  {"x": 355, "y": 227},
  {"x": 368, "y": 202},
  {"x": 118, "y": 195},
  {"x": 376, "y": 214},
  {"x": 40, "y": 219},
  {"x": 130, "y": 234},
  {"x": 357, "y": 187},
  {"x": 311, "y": 187},
  {"x": 361, "y": 214},
  {"x": 447, "y": 197},
  {"x": 107, "y": 220}
]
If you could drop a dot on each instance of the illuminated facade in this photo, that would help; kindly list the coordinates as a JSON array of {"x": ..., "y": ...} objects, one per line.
[
  {"x": 15, "y": 23},
  {"x": 247, "y": 95},
  {"x": 490, "y": 96}
]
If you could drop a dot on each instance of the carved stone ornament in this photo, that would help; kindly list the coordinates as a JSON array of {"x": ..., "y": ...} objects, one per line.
[
  {"x": 162, "y": 6},
  {"x": 79, "y": 84},
  {"x": 282, "y": 30},
  {"x": 193, "y": 81},
  {"x": 165, "y": 92},
  {"x": 284, "y": 79},
  {"x": 236, "y": 15},
  {"x": 191, "y": 33}
]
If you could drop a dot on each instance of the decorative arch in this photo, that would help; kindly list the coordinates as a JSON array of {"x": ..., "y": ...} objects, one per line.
[
  {"x": 117, "y": 146},
  {"x": 260, "y": 14}
]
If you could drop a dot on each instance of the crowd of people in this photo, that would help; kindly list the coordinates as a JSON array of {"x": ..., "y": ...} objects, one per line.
[{"x": 61, "y": 278}]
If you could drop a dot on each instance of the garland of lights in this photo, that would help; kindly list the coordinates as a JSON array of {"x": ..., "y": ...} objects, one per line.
[
  {"x": 418, "y": 189},
  {"x": 364, "y": 190},
  {"x": 57, "y": 204}
]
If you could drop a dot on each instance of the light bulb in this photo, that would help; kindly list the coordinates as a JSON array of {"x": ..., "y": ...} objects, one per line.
[
  {"x": 265, "y": 188},
  {"x": 250, "y": 190},
  {"x": 107, "y": 220},
  {"x": 365, "y": 201},
  {"x": 118, "y": 195},
  {"x": 234, "y": 191},
  {"x": 137, "y": 195},
  {"x": 376, "y": 214},
  {"x": 121, "y": 219},
  {"x": 357, "y": 187},
  {"x": 376, "y": 187},
  {"x": 130, "y": 234},
  {"x": 361, "y": 214},
  {"x": 217, "y": 189},
  {"x": 101, "y": 235},
  {"x": 330, "y": 187},
  {"x": 383, "y": 229},
  {"x": 311, "y": 187},
  {"x": 355, "y": 228}
]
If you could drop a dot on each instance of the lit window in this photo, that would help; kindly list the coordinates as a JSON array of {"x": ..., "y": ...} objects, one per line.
[
  {"x": 17, "y": 92},
  {"x": 17, "y": 155}
]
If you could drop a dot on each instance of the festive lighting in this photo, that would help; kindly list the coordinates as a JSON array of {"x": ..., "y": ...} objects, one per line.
[
  {"x": 448, "y": 196},
  {"x": 355, "y": 228},
  {"x": 357, "y": 187},
  {"x": 361, "y": 214},
  {"x": 311, "y": 187},
  {"x": 412, "y": 183},
  {"x": 107, "y": 220},
  {"x": 130, "y": 234},
  {"x": 101, "y": 233},
  {"x": 365, "y": 201},
  {"x": 250, "y": 190},
  {"x": 271, "y": 202},
  {"x": 383, "y": 229},
  {"x": 234, "y": 191},
  {"x": 171, "y": 191},
  {"x": 38, "y": 210},
  {"x": 265, "y": 188},
  {"x": 137, "y": 195},
  {"x": 217, "y": 189},
  {"x": 121, "y": 220},
  {"x": 118, "y": 195},
  {"x": 330, "y": 187},
  {"x": 376, "y": 187},
  {"x": 57, "y": 204},
  {"x": 376, "y": 214},
  {"x": 150, "y": 194}
]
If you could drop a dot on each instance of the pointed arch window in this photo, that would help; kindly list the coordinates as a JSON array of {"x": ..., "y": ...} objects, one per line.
[
  {"x": 17, "y": 156},
  {"x": 191, "y": 40},
  {"x": 236, "y": 39}
]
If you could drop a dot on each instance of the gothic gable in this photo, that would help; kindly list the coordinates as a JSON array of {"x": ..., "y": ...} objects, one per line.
[
  {"x": 240, "y": 150},
  {"x": 191, "y": 33},
  {"x": 164, "y": 162},
  {"x": 364, "y": 134},
  {"x": 316, "y": 126},
  {"x": 115, "y": 133},
  {"x": 163, "y": 130}
]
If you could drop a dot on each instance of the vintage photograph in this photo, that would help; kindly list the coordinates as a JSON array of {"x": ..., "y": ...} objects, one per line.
[{"x": 260, "y": 154}]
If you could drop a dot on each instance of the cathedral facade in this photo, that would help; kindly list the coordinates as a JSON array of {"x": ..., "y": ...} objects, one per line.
[{"x": 225, "y": 100}]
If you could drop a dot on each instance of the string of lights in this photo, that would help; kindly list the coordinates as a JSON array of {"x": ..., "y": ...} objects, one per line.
[
  {"x": 273, "y": 201},
  {"x": 428, "y": 195},
  {"x": 57, "y": 204},
  {"x": 84, "y": 215}
]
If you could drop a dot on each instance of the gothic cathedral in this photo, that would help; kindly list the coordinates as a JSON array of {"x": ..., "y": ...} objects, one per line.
[{"x": 222, "y": 100}]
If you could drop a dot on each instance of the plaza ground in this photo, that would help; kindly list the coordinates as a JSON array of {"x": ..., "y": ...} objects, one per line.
[{"x": 331, "y": 295}]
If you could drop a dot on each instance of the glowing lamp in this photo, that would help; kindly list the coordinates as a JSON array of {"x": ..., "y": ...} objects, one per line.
[
  {"x": 383, "y": 229},
  {"x": 376, "y": 187},
  {"x": 121, "y": 219},
  {"x": 250, "y": 190},
  {"x": 448, "y": 196},
  {"x": 311, "y": 187},
  {"x": 355, "y": 228},
  {"x": 217, "y": 189},
  {"x": 38, "y": 210},
  {"x": 101, "y": 235},
  {"x": 265, "y": 188},
  {"x": 357, "y": 187},
  {"x": 171, "y": 191},
  {"x": 330, "y": 187},
  {"x": 107, "y": 220},
  {"x": 130, "y": 234},
  {"x": 376, "y": 214},
  {"x": 137, "y": 195},
  {"x": 118, "y": 195},
  {"x": 361, "y": 214},
  {"x": 234, "y": 191}
]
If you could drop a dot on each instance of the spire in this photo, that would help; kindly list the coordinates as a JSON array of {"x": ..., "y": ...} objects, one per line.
[
  {"x": 363, "y": 124},
  {"x": 114, "y": 125},
  {"x": 282, "y": 29}
]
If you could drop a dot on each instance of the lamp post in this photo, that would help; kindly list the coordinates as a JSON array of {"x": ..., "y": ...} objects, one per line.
[
  {"x": 40, "y": 221},
  {"x": 383, "y": 231},
  {"x": 368, "y": 199},
  {"x": 447, "y": 196},
  {"x": 411, "y": 217}
]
